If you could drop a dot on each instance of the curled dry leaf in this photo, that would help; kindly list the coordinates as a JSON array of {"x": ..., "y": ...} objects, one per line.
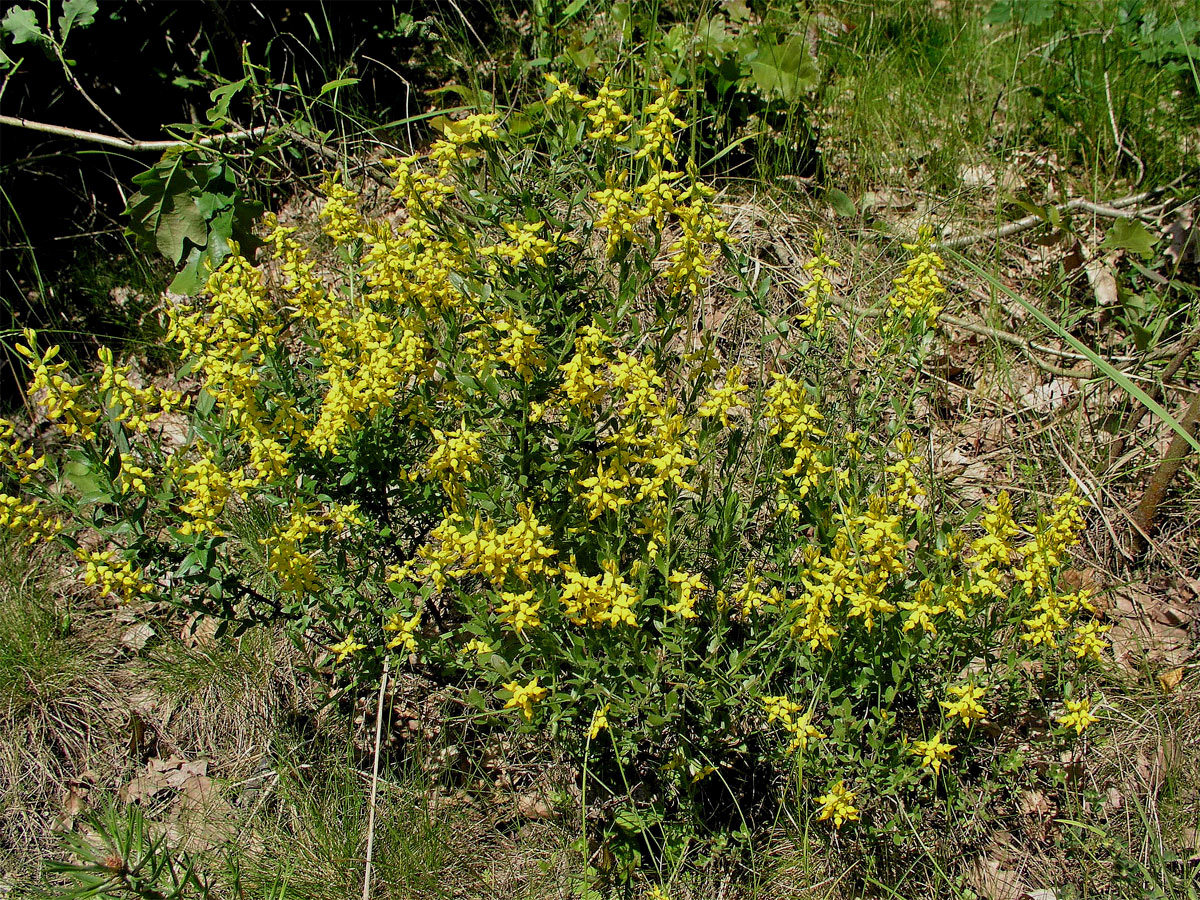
[{"x": 1170, "y": 679}]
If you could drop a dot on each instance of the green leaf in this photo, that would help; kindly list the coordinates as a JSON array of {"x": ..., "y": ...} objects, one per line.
[
  {"x": 335, "y": 84},
  {"x": 786, "y": 70},
  {"x": 22, "y": 24},
  {"x": 81, "y": 476},
  {"x": 571, "y": 11},
  {"x": 1026, "y": 12},
  {"x": 1130, "y": 234},
  {"x": 841, "y": 202},
  {"x": 76, "y": 12},
  {"x": 180, "y": 221},
  {"x": 190, "y": 278}
]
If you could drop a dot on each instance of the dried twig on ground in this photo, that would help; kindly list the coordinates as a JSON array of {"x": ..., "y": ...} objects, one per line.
[{"x": 1143, "y": 519}]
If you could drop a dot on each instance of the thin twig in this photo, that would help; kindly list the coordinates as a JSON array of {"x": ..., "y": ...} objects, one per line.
[
  {"x": 109, "y": 140},
  {"x": 366, "y": 891},
  {"x": 1157, "y": 392},
  {"x": 1115, "y": 209},
  {"x": 86, "y": 96},
  {"x": 1112, "y": 119}
]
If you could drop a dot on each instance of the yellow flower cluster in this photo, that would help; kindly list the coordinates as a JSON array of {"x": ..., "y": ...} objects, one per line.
[
  {"x": 510, "y": 342},
  {"x": 604, "y": 599},
  {"x": 1043, "y": 554},
  {"x": 687, "y": 585},
  {"x": 796, "y": 422},
  {"x": 606, "y": 115},
  {"x": 454, "y": 455},
  {"x": 524, "y": 243},
  {"x": 205, "y": 490},
  {"x": 655, "y": 195},
  {"x": 524, "y": 696},
  {"x": 348, "y": 646},
  {"x": 1078, "y": 715},
  {"x": 965, "y": 706},
  {"x": 339, "y": 215},
  {"x": 922, "y": 608},
  {"x": 24, "y": 517},
  {"x": 137, "y": 407},
  {"x": 817, "y": 291},
  {"x": 794, "y": 721},
  {"x": 228, "y": 338},
  {"x": 294, "y": 569},
  {"x": 918, "y": 288},
  {"x": 518, "y": 552},
  {"x": 51, "y": 391},
  {"x": 933, "y": 752},
  {"x": 405, "y": 632},
  {"x": 724, "y": 398},
  {"x": 103, "y": 570},
  {"x": 904, "y": 490},
  {"x": 838, "y": 804}
]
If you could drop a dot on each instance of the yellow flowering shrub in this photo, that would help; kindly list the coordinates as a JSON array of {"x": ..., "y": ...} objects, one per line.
[{"x": 486, "y": 439}]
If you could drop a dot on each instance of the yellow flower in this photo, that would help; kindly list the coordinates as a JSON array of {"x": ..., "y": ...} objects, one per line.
[
  {"x": 519, "y": 610},
  {"x": 478, "y": 647},
  {"x": 687, "y": 584},
  {"x": 599, "y": 721},
  {"x": 1088, "y": 641},
  {"x": 524, "y": 696},
  {"x": 838, "y": 805},
  {"x": 346, "y": 647},
  {"x": 405, "y": 630},
  {"x": 1078, "y": 715},
  {"x": 933, "y": 752},
  {"x": 965, "y": 705}
]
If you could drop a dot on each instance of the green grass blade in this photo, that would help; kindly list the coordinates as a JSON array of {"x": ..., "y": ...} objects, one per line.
[{"x": 1106, "y": 367}]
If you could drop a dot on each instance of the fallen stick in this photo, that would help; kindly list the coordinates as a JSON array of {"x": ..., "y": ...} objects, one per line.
[{"x": 1143, "y": 518}]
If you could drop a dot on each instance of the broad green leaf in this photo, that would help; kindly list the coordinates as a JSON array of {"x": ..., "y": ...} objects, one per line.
[
  {"x": 1025, "y": 12},
  {"x": 191, "y": 277},
  {"x": 786, "y": 70},
  {"x": 841, "y": 202},
  {"x": 181, "y": 221},
  {"x": 1130, "y": 234},
  {"x": 76, "y": 12},
  {"x": 22, "y": 24}
]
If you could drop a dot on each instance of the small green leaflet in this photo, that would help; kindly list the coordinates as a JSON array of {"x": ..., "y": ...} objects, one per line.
[
  {"x": 335, "y": 84},
  {"x": 22, "y": 24},
  {"x": 76, "y": 12},
  {"x": 1130, "y": 234}
]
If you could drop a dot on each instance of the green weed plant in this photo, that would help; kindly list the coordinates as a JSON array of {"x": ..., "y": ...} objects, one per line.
[{"x": 484, "y": 437}]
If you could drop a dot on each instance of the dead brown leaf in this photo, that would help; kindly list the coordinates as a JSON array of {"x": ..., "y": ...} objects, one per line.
[
  {"x": 1099, "y": 272},
  {"x": 135, "y": 639},
  {"x": 199, "y": 631},
  {"x": 534, "y": 806},
  {"x": 992, "y": 881},
  {"x": 162, "y": 775},
  {"x": 1151, "y": 621},
  {"x": 1035, "y": 803},
  {"x": 1169, "y": 680}
]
